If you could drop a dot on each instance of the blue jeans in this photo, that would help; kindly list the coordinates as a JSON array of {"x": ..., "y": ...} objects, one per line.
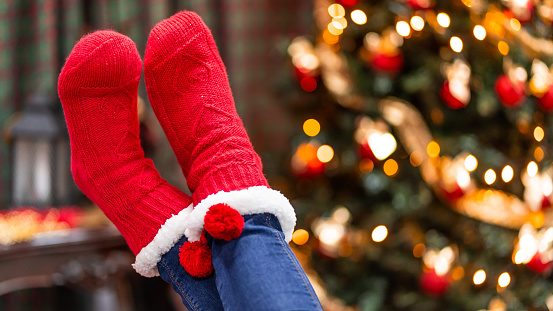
[{"x": 257, "y": 271}]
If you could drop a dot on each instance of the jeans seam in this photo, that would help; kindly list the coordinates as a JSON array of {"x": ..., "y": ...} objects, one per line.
[
  {"x": 178, "y": 285},
  {"x": 314, "y": 300}
]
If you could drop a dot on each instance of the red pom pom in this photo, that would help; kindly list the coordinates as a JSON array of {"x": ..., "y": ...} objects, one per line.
[
  {"x": 195, "y": 258},
  {"x": 421, "y": 4},
  {"x": 223, "y": 222},
  {"x": 509, "y": 94}
]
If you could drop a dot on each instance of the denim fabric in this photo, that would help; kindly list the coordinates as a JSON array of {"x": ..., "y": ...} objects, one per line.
[
  {"x": 198, "y": 294},
  {"x": 258, "y": 271}
]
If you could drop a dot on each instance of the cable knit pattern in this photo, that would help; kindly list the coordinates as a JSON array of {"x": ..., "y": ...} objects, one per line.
[
  {"x": 98, "y": 89},
  {"x": 189, "y": 91}
]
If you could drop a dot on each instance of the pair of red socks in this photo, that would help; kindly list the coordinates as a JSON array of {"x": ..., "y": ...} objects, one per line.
[{"x": 189, "y": 92}]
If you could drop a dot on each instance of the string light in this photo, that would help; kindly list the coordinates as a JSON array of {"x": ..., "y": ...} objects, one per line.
[
  {"x": 515, "y": 24},
  {"x": 311, "y": 127},
  {"x": 330, "y": 38},
  {"x": 359, "y": 17},
  {"x": 539, "y": 133},
  {"x": 538, "y": 154},
  {"x": 382, "y": 145},
  {"x": 390, "y": 167},
  {"x": 507, "y": 173},
  {"x": 479, "y": 32},
  {"x": 325, "y": 153},
  {"x": 504, "y": 279},
  {"x": 418, "y": 250},
  {"x": 443, "y": 20},
  {"x": 532, "y": 169},
  {"x": 333, "y": 30},
  {"x": 456, "y": 44},
  {"x": 379, "y": 233},
  {"x": 503, "y": 47},
  {"x": 336, "y": 10},
  {"x": 433, "y": 149},
  {"x": 403, "y": 29},
  {"x": 416, "y": 158},
  {"x": 300, "y": 237},
  {"x": 489, "y": 176},
  {"x": 340, "y": 22},
  {"x": 471, "y": 163},
  {"x": 479, "y": 277},
  {"x": 417, "y": 23}
]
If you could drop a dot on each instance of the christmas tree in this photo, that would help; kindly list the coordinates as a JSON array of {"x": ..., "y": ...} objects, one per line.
[{"x": 422, "y": 169}]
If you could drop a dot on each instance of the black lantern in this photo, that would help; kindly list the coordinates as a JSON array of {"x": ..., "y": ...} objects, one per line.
[{"x": 41, "y": 156}]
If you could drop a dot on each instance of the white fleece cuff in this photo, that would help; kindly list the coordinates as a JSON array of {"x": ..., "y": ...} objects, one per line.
[
  {"x": 167, "y": 236},
  {"x": 190, "y": 222},
  {"x": 253, "y": 200}
]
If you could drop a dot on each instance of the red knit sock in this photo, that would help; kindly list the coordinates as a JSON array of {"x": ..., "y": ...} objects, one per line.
[
  {"x": 190, "y": 94},
  {"x": 98, "y": 89}
]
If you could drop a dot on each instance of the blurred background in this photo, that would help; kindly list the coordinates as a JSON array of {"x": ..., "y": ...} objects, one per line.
[{"x": 411, "y": 136}]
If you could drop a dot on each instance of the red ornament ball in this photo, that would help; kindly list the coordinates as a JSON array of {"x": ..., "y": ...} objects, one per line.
[
  {"x": 546, "y": 101},
  {"x": 366, "y": 152},
  {"x": 195, "y": 258},
  {"x": 449, "y": 99},
  {"x": 387, "y": 62},
  {"x": 509, "y": 94},
  {"x": 452, "y": 192},
  {"x": 421, "y": 4},
  {"x": 434, "y": 284},
  {"x": 537, "y": 265},
  {"x": 347, "y": 3},
  {"x": 223, "y": 222}
]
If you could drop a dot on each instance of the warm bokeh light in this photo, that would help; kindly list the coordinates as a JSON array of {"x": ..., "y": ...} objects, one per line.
[
  {"x": 539, "y": 134},
  {"x": 403, "y": 29},
  {"x": 443, "y": 20},
  {"x": 340, "y": 22},
  {"x": 325, "y": 153},
  {"x": 515, "y": 24},
  {"x": 507, "y": 173},
  {"x": 311, "y": 127},
  {"x": 382, "y": 145},
  {"x": 359, "y": 17},
  {"x": 471, "y": 163},
  {"x": 419, "y": 250},
  {"x": 333, "y": 30},
  {"x": 379, "y": 233},
  {"x": 479, "y": 277},
  {"x": 433, "y": 149},
  {"x": 417, "y": 23},
  {"x": 330, "y": 38},
  {"x": 532, "y": 169},
  {"x": 336, "y": 10},
  {"x": 366, "y": 166},
  {"x": 416, "y": 158},
  {"x": 479, "y": 32},
  {"x": 457, "y": 273},
  {"x": 520, "y": 257},
  {"x": 463, "y": 179},
  {"x": 468, "y": 3},
  {"x": 456, "y": 44},
  {"x": 504, "y": 279},
  {"x": 539, "y": 154},
  {"x": 489, "y": 176},
  {"x": 503, "y": 47},
  {"x": 390, "y": 167},
  {"x": 300, "y": 237}
]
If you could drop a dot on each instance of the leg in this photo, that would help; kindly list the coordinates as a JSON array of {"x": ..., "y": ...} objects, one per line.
[
  {"x": 259, "y": 269},
  {"x": 98, "y": 89}
]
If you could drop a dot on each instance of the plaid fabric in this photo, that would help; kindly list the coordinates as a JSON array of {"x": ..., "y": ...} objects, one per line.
[{"x": 37, "y": 35}]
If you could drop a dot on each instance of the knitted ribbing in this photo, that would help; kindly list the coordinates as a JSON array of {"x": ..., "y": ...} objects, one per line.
[
  {"x": 98, "y": 90},
  {"x": 189, "y": 91}
]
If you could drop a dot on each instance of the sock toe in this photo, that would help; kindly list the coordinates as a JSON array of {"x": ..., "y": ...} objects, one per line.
[{"x": 117, "y": 54}]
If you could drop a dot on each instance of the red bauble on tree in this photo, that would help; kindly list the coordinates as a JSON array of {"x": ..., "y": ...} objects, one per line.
[
  {"x": 387, "y": 62},
  {"x": 520, "y": 9},
  {"x": 456, "y": 90},
  {"x": 451, "y": 101},
  {"x": 546, "y": 101},
  {"x": 347, "y": 2},
  {"x": 539, "y": 265},
  {"x": 511, "y": 94},
  {"x": 421, "y": 4},
  {"x": 434, "y": 284}
]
